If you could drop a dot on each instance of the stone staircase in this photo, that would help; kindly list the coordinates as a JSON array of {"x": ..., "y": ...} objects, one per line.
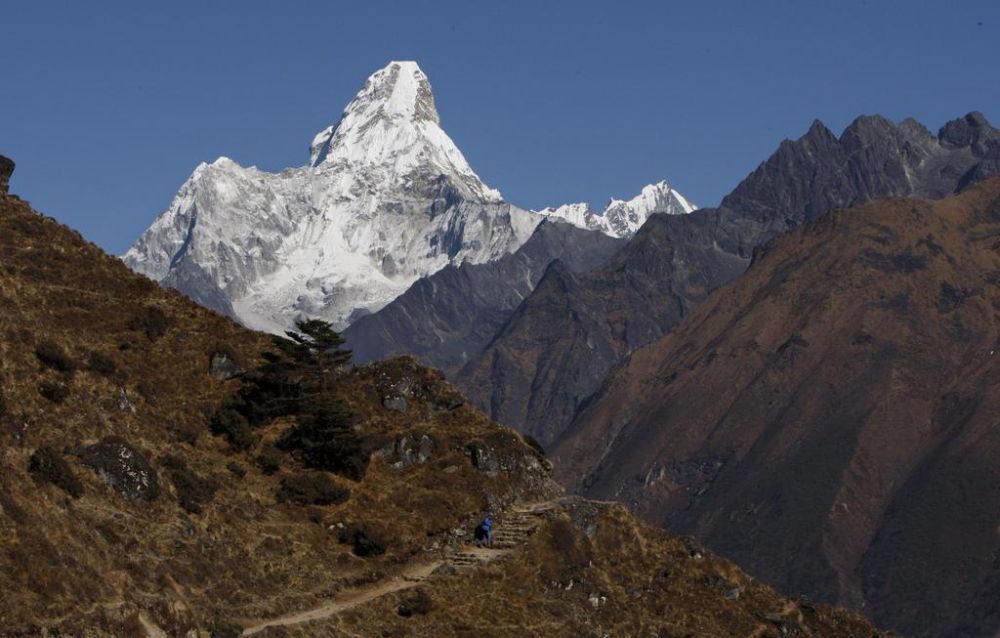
[
  {"x": 514, "y": 530},
  {"x": 509, "y": 533}
]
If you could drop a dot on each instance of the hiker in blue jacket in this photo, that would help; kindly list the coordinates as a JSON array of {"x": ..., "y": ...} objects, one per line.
[{"x": 484, "y": 532}]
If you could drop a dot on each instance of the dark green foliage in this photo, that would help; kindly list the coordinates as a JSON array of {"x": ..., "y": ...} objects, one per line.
[
  {"x": 297, "y": 379},
  {"x": 324, "y": 439},
  {"x": 51, "y": 355},
  {"x": 54, "y": 391},
  {"x": 316, "y": 346},
  {"x": 101, "y": 364},
  {"x": 48, "y": 466},
  {"x": 419, "y": 602},
  {"x": 269, "y": 459},
  {"x": 152, "y": 321},
  {"x": 230, "y": 423},
  {"x": 363, "y": 541},
  {"x": 313, "y": 488},
  {"x": 193, "y": 491},
  {"x": 269, "y": 393}
]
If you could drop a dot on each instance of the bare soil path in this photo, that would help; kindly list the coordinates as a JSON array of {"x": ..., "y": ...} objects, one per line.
[{"x": 518, "y": 524}]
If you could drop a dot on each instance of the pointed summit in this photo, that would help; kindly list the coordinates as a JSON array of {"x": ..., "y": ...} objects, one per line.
[
  {"x": 396, "y": 95},
  {"x": 392, "y": 126}
]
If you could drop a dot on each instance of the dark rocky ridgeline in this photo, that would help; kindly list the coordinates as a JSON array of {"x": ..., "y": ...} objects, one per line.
[
  {"x": 450, "y": 316},
  {"x": 828, "y": 421},
  {"x": 553, "y": 353},
  {"x": 6, "y": 170}
]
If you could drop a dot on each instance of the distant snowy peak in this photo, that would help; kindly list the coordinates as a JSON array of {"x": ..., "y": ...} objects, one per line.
[
  {"x": 392, "y": 128},
  {"x": 622, "y": 218}
]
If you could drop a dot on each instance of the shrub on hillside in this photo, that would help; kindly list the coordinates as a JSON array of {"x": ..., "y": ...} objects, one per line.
[
  {"x": 52, "y": 355},
  {"x": 48, "y": 466},
  {"x": 152, "y": 321},
  {"x": 419, "y": 602},
  {"x": 313, "y": 488},
  {"x": 363, "y": 541},
  {"x": 193, "y": 491},
  {"x": 234, "y": 426},
  {"x": 325, "y": 440},
  {"x": 269, "y": 460},
  {"x": 54, "y": 391},
  {"x": 101, "y": 364}
]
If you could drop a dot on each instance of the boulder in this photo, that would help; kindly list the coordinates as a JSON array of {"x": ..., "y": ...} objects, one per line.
[
  {"x": 122, "y": 467},
  {"x": 396, "y": 404},
  {"x": 222, "y": 367}
]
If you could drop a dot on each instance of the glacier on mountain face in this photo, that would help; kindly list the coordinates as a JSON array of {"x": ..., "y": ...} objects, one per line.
[{"x": 386, "y": 198}]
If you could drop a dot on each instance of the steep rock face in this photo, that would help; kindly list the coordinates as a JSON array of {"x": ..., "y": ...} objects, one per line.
[
  {"x": 450, "y": 316},
  {"x": 623, "y": 218},
  {"x": 828, "y": 420},
  {"x": 387, "y": 198},
  {"x": 675, "y": 261}
]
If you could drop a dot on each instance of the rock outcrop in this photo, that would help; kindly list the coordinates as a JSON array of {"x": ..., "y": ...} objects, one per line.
[{"x": 6, "y": 170}]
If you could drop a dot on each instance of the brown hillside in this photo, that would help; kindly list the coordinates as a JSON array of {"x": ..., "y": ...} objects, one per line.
[
  {"x": 830, "y": 420},
  {"x": 95, "y": 560},
  {"x": 121, "y": 514}
]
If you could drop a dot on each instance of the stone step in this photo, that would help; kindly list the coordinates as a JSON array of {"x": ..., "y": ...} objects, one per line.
[{"x": 510, "y": 539}]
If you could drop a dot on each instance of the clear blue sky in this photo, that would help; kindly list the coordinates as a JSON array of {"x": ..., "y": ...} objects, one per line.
[{"x": 108, "y": 106}]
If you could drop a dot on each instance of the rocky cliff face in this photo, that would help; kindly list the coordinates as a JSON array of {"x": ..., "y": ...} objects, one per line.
[
  {"x": 386, "y": 199},
  {"x": 828, "y": 420},
  {"x": 450, "y": 316},
  {"x": 537, "y": 373}
]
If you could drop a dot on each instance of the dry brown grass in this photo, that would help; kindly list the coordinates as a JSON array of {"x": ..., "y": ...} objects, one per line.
[{"x": 645, "y": 584}]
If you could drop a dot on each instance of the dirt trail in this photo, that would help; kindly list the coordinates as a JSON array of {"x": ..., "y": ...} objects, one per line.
[{"x": 518, "y": 524}]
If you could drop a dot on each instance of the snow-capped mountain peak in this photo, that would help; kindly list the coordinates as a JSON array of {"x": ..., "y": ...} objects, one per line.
[
  {"x": 621, "y": 218},
  {"x": 392, "y": 127},
  {"x": 386, "y": 198}
]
